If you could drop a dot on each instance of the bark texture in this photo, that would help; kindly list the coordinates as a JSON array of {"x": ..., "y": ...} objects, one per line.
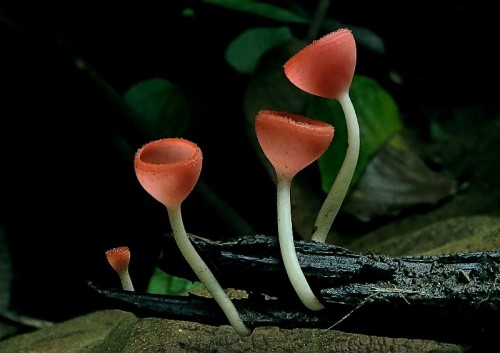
[{"x": 449, "y": 298}]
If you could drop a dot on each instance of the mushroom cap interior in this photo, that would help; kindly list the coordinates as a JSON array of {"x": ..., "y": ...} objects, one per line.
[
  {"x": 168, "y": 169},
  {"x": 290, "y": 141}
]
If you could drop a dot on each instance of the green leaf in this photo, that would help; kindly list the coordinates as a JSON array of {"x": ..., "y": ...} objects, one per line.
[
  {"x": 162, "y": 283},
  {"x": 245, "y": 52},
  {"x": 379, "y": 119},
  {"x": 161, "y": 106},
  {"x": 260, "y": 9},
  {"x": 396, "y": 178}
]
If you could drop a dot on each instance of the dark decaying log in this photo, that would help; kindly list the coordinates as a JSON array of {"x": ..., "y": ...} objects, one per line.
[{"x": 449, "y": 298}]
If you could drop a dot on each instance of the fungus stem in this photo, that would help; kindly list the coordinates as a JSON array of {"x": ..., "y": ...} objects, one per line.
[
  {"x": 339, "y": 189},
  {"x": 287, "y": 247},
  {"x": 126, "y": 281},
  {"x": 204, "y": 274}
]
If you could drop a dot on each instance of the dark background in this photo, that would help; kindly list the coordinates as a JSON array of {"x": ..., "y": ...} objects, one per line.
[{"x": 68, "y": 192}]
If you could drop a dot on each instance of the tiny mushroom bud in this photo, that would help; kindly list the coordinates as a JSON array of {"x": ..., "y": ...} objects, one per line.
[
  {"x": 325, "y": 68},
  {"x": 291, "y": 142},
  {"x": 119, "y": 259},
  {"x": 168, "y": 169}
]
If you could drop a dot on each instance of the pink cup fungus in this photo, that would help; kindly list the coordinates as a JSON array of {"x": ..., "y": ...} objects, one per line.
[
  {"x": 119, "y": 259},
  {"x": 325, "y": 68},
  {"x": 168, "y": 169},
  {"x": 291, "y": 142}
]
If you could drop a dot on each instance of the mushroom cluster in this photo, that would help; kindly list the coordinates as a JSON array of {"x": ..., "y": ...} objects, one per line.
[
  {"x": 168, "y": 169},
  {"x": 324, "y": 68}
]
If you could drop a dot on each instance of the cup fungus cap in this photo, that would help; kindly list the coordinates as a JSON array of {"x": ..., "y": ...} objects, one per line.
[
  {"x": 168, "y": 169},
  {"x": 325, "y": 67},
  {"x": 119, "y": 258},
  {"x": 290, "y": 141}
]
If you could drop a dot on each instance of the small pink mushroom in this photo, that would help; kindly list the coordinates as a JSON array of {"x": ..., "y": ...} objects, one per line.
[
  {"x": 168, "y": 169},
  {"x": 325, "y": 68},
  {"x": 119, "y": 259},
  {"x": 291, "y": 142}
]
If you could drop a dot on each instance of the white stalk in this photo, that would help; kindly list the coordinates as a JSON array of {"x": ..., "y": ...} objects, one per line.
[
  {"x": 126, "y": 281},
  {"x": 337, "y": 193},
  {"x": 204, "y": 274},
  {"x": 287, "y": 247}
]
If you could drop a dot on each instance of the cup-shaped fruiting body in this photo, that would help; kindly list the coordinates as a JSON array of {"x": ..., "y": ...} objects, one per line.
[
  {"x": 291, "y": 142},
  {"x": 325, "y": 68},
  {"x": 168, "y": 169},
  {"x": 119, "y": 259}
]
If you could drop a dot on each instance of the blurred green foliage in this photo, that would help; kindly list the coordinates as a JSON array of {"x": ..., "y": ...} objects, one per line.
[
  {"x": 162, "y": 107},
  {"x": 379, "y": 120},
  {"x": 162, "y": 283}
]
